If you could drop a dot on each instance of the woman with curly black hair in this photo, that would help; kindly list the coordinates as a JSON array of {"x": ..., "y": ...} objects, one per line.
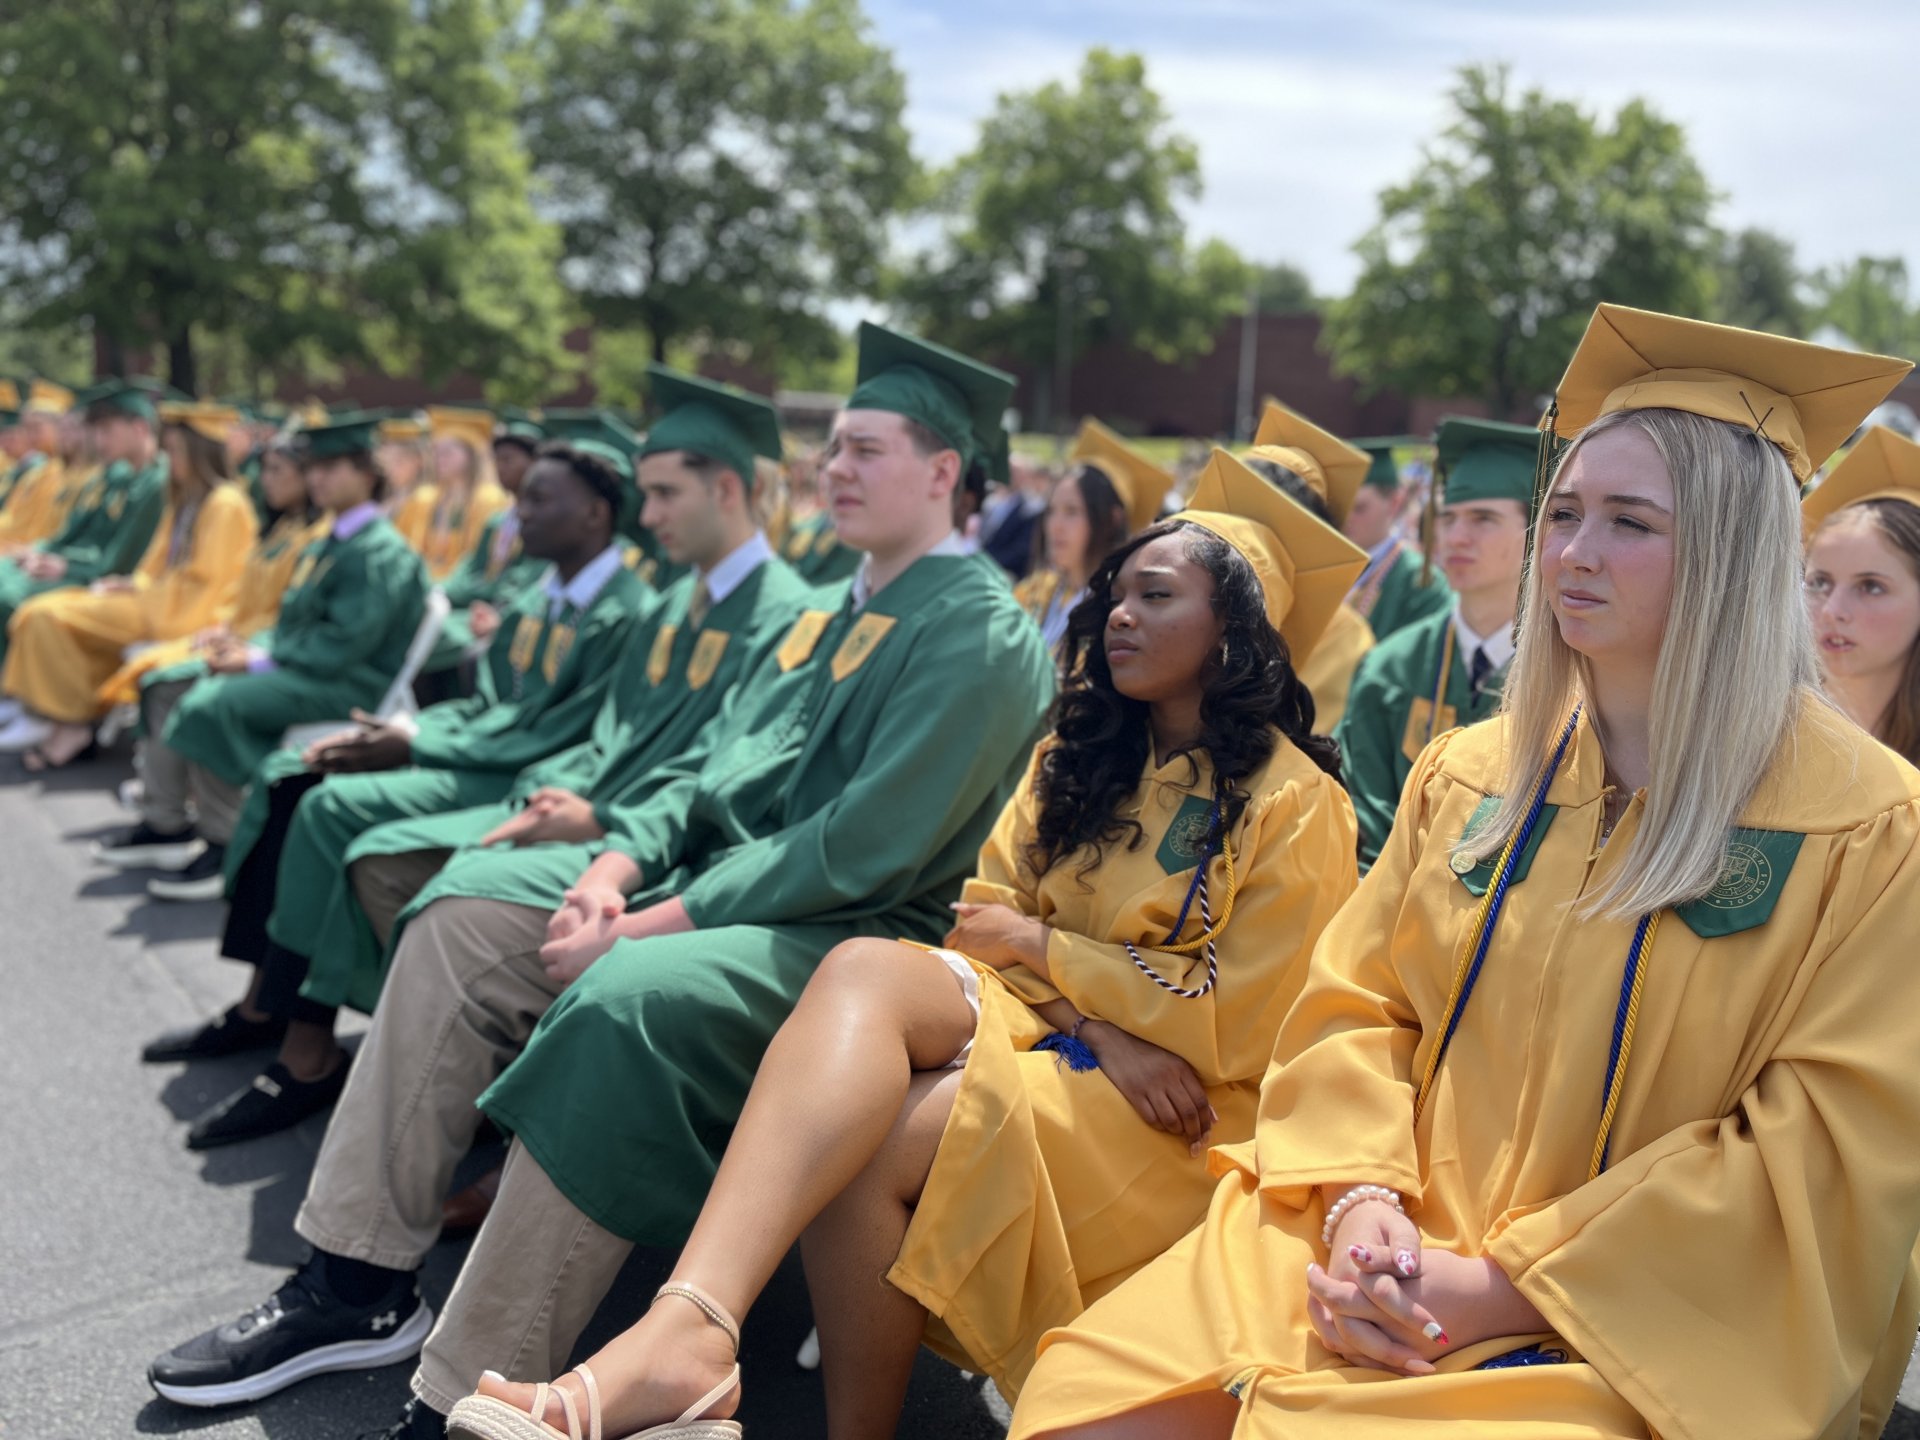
[{"x": 1017, "y": 1122}]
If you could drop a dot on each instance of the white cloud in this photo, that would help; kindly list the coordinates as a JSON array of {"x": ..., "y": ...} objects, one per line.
[{"x": 1303, "y": 112}]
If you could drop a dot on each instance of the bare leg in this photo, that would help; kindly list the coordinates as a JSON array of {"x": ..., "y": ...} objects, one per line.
[
  {"x": 869, "y": 1331},
  {"x": 827, "y": 1095},
  {"x": 1206, "y": 1415},
  {"x": 250, "y": 1002}
]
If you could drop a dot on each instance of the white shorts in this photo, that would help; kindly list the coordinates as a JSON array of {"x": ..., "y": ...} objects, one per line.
[{"x": 969, "y": 979}]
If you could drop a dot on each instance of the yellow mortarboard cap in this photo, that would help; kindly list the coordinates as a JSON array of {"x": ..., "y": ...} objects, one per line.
[
  {"x": 1882, "y": 466},
  {"x": 1332, "y": 468},
  {"x": 9, "y": 394},
  {"x": 1142, "y": 485},
  {"x": 1305, "y": 567},
  {"x": 402, "y": 430},
  {"x": 455, "y": 422},
  {"x": 1805, "y": 398},
  {"x": 47, "y": 398},
  {"x": 204, "y": 417}
]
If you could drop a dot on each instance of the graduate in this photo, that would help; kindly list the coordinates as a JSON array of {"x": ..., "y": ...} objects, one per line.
[
  {"x": 1397, "y": 587},
  {"x": 1863, "y": 586},
  {"x": 110, "y": 522},
  {"x": 1447, "y": 669},
  {"x": 809, "y": 541},
  {"x": 29, "y": 487},
  {"x": 1095, "y": 928},
  {"x": 443, "y": 520},
  {"x": 545, "y": 676},
  {"x": 1324, "y": 475},
  {"x": 349, "y": 613},
  {"x": 1112, "y": 492},
  {"x": 404, "y": 456},
  {"x": 1580, "y": 1126},
  {"x": 64, "y": 645},
  {"x": 845, "y": 791}
]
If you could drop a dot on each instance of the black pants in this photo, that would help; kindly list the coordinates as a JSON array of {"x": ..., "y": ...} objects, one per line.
[{"x": 282, "y": 971}]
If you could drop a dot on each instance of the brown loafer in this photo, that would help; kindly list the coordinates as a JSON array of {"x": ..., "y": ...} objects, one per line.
[{"x": 466, "y": 1209}]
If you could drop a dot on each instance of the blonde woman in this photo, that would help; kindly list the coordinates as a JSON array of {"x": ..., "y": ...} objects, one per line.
[
  {"x": 444, "y": 521},
  {"x": 67, "y": 643},
  {"x": 1863, "y": 586},
  {"x": 1585, "y": 1123}
]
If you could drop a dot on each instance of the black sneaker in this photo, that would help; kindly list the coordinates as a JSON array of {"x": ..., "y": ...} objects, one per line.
[
  {"x": 202, "y": 880},
  {"x": 228, "y": 1033},
  {"x": 145, "y": 848},
  {"x": 304, "y": 1330},
  {"x": 273, "y": 1101},
  {"x": 417, "y": 1422}
]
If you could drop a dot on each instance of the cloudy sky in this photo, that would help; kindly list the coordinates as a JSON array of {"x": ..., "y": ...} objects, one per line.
[{"x": 1803, "y": 115}]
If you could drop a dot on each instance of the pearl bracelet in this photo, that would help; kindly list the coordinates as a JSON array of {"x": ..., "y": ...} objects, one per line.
[{"x": 1358, "y": 1195}]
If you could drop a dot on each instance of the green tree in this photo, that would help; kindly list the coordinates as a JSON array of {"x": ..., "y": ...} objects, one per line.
[
  {"x": 1870, "y": 302},
  {"x": 334, "y": 177},
  {"x": 1284, "y": 289},
  {"x": 1062, "y": 227},
  {"x": 1526, "y": 212},
  {"x": 721, "y": 168},
  {"x": 1760, "y": 284}
]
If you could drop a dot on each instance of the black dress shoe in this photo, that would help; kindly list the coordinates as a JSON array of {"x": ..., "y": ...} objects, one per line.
[
  {"x": 204, "y": 879},
  {"x": 416, "y": 1422},
  {"x": 274, "y": 1101},
  {"x": 228, "y": 1033},
  {"x": 303, "y": 1329}
]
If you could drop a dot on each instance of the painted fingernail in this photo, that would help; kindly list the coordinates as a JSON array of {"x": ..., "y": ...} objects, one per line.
[
  {"x": 1433, "y": 1331},
  {"x": 493, "y": 1375},
  {"x": 1403, "y": 1261},
  {"x": 1359, "y": 1254}
]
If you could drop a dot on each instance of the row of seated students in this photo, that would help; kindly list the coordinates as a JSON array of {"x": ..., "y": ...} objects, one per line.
[{"x": 1031, "y": 988}]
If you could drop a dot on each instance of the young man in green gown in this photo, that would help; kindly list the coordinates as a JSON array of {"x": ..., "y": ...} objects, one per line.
[
  {"x": 541, "y": 682},
  {"x": 845, "y": 791},
  {"x": 1398, "y": 587},
  {"x": 1446, "y": 669}
]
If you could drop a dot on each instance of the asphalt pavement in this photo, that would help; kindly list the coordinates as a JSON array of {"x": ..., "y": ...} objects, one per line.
[{"x": 116, "y": 1242}]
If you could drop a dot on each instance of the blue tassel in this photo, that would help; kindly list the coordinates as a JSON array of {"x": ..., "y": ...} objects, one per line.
[
  {"x": 1073, "y": 1053},
  {"x": 1527, "y": 1355}
]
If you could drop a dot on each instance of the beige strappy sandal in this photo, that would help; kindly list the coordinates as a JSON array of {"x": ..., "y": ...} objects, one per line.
[{"x": 482, "y": 1417}]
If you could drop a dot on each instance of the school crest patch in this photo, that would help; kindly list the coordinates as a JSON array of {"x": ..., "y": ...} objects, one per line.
[
  {"x": 1480, "y": 876},
  {"x": 526, "y": 637},
  {"x": 1751, "y": 879},
  {"x": 1186, "y": 837},
  {"x": 559, "y": 642},
  {"x": 707, "y": 651},
  {"x": 865, "y": 637},
  {"x": 798, "y": 647},
  {"x": 661, "y": 656}
]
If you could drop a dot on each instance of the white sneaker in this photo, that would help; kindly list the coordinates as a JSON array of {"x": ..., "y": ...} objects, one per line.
[{"x": 24, "y": 732}]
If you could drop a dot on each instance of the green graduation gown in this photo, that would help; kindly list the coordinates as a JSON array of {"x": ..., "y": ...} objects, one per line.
[
  {"x": 106, "y": 533},
  {"x": 847, "y": 793},
  {"x": 1399, "y": 598},
  {"x": 542, "y": 681},
  {"x": 1390, "y": 718},
  {"x": 349, "y": 614},
  {"x": 482, "y": 576},
  {"x": 666, "y": 691}
]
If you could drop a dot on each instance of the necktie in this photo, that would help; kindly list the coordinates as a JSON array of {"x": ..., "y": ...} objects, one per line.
[
  {"x": 1481, "y": 667},
  {"x": 698, "y": 606}
]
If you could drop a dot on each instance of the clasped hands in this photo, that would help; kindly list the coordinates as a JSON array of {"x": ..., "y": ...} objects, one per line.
[
  {"x": 1384, "y": 1302},
  {"x": 550, "y": 815}
]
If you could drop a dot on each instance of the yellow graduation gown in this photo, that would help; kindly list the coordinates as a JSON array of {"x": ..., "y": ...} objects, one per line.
[
  {"x": 1328, "y": 672},
  {"x": 35, "y": 510},
  {"x": 1048, "y": 1189},
  {"x": 1742, "y": 1268},
  {"x": 444, "y": 534},
  {"x": 254, "y": 606},
  {"x": 63, "y": 645}
]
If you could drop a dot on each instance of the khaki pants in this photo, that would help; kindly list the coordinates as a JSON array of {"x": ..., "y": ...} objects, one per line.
[
  {"x": 386, "y": 884},
  {"x": 464, "y": 991},
  {"x": 168, "y": 779},
  {"x": 536, "y": 1273}
]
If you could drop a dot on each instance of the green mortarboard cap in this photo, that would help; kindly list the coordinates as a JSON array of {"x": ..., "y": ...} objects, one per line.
[
  {"x": 1384, "y": 472},
  {"x": 600, "y": 433},
  {"x": 518, "y": 424},
  {"x": 351, "y": 433},
  {"x": 1487, "y": 460},
  {"x": 960, "y": 400},
  {"x": 723, "y": 422},
  {"x": 122, "y": 398}
]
